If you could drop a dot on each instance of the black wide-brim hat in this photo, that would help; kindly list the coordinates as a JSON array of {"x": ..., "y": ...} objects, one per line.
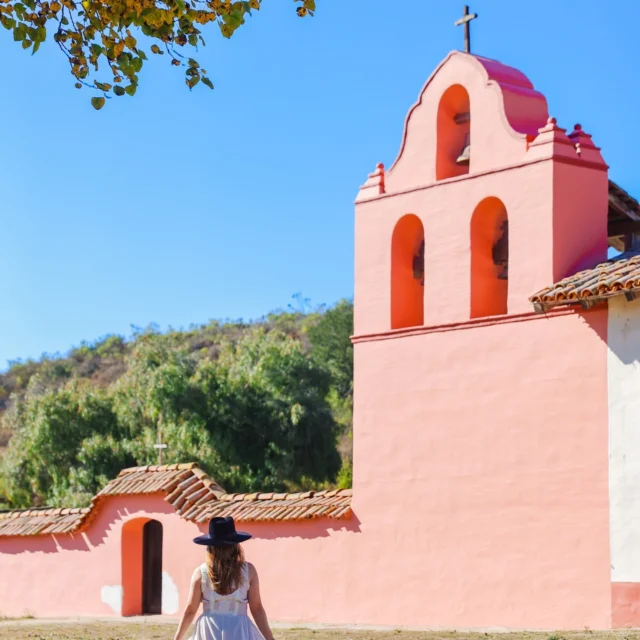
[{"x": 222, "y": 533}]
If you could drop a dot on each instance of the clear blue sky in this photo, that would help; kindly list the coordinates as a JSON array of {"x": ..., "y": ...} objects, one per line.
[{"x": 177, "y": 207}]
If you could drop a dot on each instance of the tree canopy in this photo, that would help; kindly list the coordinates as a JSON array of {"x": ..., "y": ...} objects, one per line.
[
  {"x": 260, "y": 407},
  {"x": 106, "y": 42}
]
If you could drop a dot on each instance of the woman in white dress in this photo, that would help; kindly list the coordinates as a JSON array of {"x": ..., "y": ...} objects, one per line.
[{"x": 227, "y": 587}]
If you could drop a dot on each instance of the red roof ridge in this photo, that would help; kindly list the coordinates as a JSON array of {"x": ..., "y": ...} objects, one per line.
[{"x": 186, "y": 466}]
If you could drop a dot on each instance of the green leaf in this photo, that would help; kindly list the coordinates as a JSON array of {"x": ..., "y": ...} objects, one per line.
[
  {"x": 36, "y": 46},
  {"x": 207, "y": 82},
  {"x": 26, "y": 44},
  {"x": 193, "y": 63},
  {"x": 20, "y": 32},
  {"x": 7, "y": 23},
  {"x": 131, "y": 90},
  {"x": 119, "y": 91},
  {"x": 97, "y": 103}
]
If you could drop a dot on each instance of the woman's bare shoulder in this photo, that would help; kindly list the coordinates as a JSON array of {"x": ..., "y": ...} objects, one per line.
[{"x": 197, "y": 573}]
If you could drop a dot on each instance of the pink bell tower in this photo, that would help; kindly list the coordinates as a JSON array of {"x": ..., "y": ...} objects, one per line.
[{"x": 480, "y": 425}]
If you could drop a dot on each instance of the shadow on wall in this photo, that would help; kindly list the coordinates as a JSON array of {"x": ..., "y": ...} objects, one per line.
[
  {"x": 50, "y": 543},
  {"x": 305, "y": 529},
  {"x": 97, "y": 532},
  {"x": 622, "y": 329},
  {"x": 109, "y": 514}
]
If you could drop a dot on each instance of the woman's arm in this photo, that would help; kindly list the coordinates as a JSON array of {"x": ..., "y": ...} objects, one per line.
[
  {"x": 189, "y": 613},
  {"x": 255, "y": 604}
]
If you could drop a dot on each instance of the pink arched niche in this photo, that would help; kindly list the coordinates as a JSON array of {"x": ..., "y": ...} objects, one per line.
[
  {"x": 407, "y": 273},
  {"x": 141, "y": 567},
  {"x": 454, "y": 131},
  {"x": 489, "y": 259}
]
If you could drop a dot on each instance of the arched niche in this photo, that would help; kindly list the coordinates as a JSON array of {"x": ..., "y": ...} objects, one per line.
[
  {"x": 407, "y": 273},
  {"x": 454, "y": 133},
  {"x": 489, "y": 259},
  {"x": 142, "y": 567}
]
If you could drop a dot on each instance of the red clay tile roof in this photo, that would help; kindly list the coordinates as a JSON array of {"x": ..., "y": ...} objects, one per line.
[
  {"x": 193, "y": 495},
  {"x": 618, "y": 276},
  {"x": 33, "y": 522},
  {"x": 269, "y": 507}
]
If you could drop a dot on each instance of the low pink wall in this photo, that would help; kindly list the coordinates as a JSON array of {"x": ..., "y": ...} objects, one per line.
[{"x": 52, "y": 576}]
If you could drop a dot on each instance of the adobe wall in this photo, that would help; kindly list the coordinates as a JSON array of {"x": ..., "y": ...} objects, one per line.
[
  {"x": 483, "y": 449},
  {"x": 82, "y": 575}
]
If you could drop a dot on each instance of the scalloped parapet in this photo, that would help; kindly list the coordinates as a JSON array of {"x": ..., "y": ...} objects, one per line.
[{"x": 504, "y": 109}]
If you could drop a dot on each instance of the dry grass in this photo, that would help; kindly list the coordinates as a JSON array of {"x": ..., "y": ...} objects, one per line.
[{"x": 36, "y": 630}]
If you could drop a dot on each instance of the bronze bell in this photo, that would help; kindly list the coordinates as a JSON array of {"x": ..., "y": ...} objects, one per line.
[
  {"x": 501, "y": 252},
  {"x": 464, "y": 157},
  {"x": 418, "y": 264}
]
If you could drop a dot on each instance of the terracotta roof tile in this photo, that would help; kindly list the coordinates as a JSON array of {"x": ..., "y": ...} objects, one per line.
[
  {"x": 274, "y": 507},
  {"x": 194, "y": 495},
  {"x": 618, "y": 276}
]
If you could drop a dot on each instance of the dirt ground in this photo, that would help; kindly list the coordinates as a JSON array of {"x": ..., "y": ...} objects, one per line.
[{"x": 36, "y": 630}]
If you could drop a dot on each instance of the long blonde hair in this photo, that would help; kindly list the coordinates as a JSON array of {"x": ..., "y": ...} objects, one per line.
[{"x": 224, "y": 567}]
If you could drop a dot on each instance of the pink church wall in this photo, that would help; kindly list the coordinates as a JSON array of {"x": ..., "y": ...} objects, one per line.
[{"x": 484, "y": 451}]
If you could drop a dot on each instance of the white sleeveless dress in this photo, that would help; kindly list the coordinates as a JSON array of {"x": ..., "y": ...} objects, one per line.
[{"x": 225, "y": 617}]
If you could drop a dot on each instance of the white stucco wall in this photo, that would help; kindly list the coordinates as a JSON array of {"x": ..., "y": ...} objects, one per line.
[{"x": 624, "y": 438}]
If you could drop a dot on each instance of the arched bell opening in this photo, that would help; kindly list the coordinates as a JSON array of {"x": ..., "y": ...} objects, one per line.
[
  {"x": 407, "y": 273},
  {"x": 453, "y": 154},
  {"x": 489, "y": 259}
]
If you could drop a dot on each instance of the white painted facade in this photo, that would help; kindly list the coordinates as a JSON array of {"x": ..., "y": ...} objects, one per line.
[{"x": 623, "y": 374}]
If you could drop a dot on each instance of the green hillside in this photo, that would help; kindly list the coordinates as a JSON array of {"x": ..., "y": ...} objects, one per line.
[{"x": 260, "y": 405}]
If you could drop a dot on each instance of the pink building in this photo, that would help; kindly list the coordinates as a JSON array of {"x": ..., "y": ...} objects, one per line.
[{"x": 496, "y": 437}]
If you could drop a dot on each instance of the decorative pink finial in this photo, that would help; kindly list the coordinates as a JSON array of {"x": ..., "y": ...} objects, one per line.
[
  {"x": 552, "y": 120},
  {"x": 374, "y": 186},
  {"x": 577, "y": 127}
]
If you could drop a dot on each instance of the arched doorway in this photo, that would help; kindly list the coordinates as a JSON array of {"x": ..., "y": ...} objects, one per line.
[
  {"x": 152, "y": 568},
  {"x": 142, "y": 567}
]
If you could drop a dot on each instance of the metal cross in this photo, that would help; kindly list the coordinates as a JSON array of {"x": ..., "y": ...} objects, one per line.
[
  {"x": 160, "y": 445},
  {"x": 465, "y": 20}
]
